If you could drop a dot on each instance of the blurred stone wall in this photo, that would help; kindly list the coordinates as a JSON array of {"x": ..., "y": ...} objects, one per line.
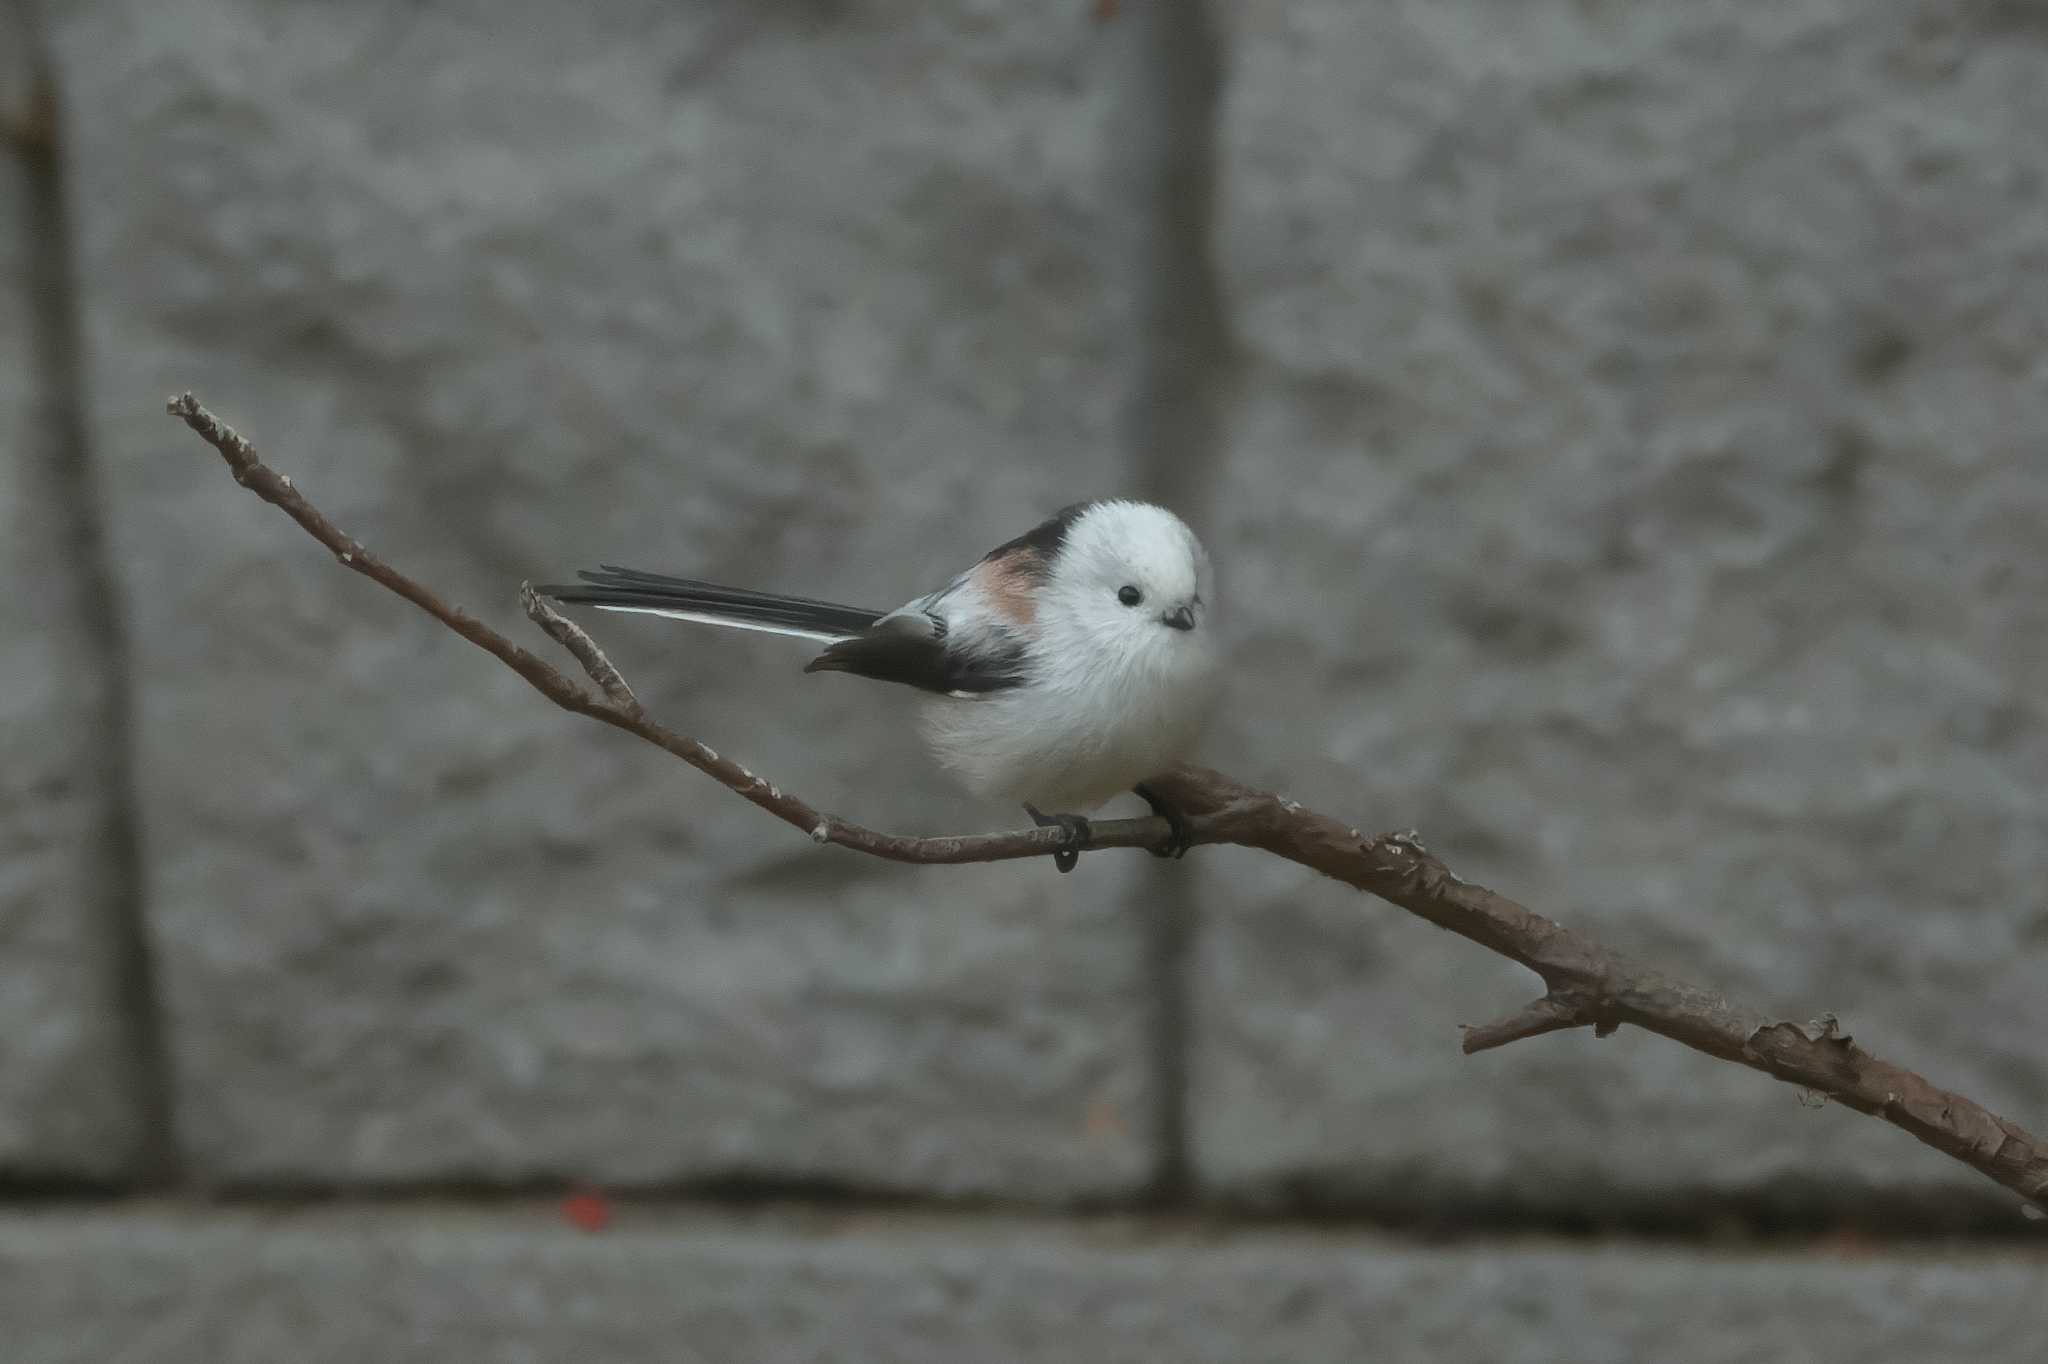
[{"x": 1618, "y": 427}]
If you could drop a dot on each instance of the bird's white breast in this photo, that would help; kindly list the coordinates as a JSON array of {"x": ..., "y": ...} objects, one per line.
[{"x": 1084, "y": 729}]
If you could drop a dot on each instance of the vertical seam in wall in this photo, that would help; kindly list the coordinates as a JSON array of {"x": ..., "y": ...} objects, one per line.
[
  {"x": 122, "y": 907},
  {"x": 1172, "y": 432}
]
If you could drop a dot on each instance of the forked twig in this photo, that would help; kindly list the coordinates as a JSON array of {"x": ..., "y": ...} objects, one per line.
[{"x": 1586, "y": 984}]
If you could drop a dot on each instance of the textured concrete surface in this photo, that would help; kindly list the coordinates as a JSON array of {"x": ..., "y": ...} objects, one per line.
[
  {"x": 1636, "y": 485},
  {"x": 1628, "y": 474},
  {"x": 65, "y": 1088},
  {"x": 813, "y": 298},
  {"x": 518, "y": 1285}
]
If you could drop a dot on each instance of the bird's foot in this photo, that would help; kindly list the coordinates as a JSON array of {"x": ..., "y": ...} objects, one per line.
[
  {"x": 1078, "y": 835},
  {"x": 1181, "y": 838}
]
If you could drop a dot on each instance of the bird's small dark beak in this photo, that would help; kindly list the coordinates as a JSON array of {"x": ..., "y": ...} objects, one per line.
[{"x": 1180, "y": 618}]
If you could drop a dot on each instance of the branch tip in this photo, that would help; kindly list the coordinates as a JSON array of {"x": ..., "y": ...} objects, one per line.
[
  {"x": 581, "y": 646},
  {"x": 1548, "y": 1014}
]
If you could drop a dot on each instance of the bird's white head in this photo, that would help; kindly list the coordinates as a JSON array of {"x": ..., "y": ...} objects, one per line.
[{"x": 1130, "y": 590}]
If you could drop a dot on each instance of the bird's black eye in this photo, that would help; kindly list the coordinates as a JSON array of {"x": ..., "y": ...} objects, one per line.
[{"x": 1128, "y": 595}]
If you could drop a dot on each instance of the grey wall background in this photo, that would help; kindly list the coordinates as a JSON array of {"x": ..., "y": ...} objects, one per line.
[{"x": 1619, "y": 429}]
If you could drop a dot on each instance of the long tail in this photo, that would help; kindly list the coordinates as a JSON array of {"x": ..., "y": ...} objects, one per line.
[{"x": 654, "y": 594}]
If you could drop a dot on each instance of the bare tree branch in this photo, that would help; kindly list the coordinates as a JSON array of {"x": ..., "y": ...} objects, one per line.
[{"x": 1585, "y": 984}]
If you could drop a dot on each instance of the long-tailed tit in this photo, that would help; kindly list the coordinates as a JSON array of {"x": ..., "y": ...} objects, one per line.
[{"x": 1065, "y": 667}]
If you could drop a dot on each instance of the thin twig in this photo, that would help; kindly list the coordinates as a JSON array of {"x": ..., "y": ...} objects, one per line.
[
  {"x": 1585, "y": 984},
  {"x": 582, "y": 647}
]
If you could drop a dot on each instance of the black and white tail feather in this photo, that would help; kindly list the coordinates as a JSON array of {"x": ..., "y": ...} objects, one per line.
[
  {"x": 657, "y": 594},
  {"x": 1067, "y": 665},
  {"x": 914, "y": 644}
]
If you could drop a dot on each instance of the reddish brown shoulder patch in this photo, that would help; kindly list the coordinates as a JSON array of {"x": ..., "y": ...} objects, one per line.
[{"x": 1010, "y": 582}]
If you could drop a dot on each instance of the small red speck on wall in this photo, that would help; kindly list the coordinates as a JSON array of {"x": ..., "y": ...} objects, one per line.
[{"x": 587, "y": 1210}]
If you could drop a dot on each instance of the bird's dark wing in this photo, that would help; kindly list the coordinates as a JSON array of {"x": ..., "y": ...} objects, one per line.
[
  {"x": 915, "y": 648},
  {"x": 1041, "y": 544}
]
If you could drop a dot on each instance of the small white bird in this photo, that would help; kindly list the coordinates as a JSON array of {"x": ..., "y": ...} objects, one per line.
[{"x": 1067, "y": 666}]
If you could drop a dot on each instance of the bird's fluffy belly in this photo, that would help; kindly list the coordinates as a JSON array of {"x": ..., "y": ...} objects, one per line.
[{"x": 1052, "y": 751}]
